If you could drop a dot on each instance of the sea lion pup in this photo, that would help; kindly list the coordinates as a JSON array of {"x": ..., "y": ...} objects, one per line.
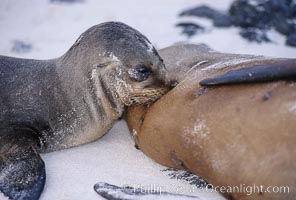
[
  {"x": 74, "y": 99},
  {"x": 231, "y": 119}
]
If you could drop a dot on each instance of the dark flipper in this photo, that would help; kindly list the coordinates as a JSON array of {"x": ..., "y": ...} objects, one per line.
[
  {"x": 112, "y": 192},
  {"x": 22, "y": 171},
  {"x": 281, "y": 70}
]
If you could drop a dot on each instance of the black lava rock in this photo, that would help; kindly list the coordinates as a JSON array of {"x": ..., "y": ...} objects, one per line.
[
  {"x": 222, "y": 21},
  {"x": 246, "y": 14},
  {"x": 254, "y": 35},
  {"x": 190, "y": 29},
  {"x": 279, "y": 7},
  {"x": 219, "y": 19},
  {"x": 201, "y": 11},
  {"x": 293, "y": 8},
  {"x": 283, "y": 26},
  {"x": 264, "y": 15},
  {"x": 291, "y": 40},
  {"x": 21, "y": 47},
  {"x": 254, "y": 17}
]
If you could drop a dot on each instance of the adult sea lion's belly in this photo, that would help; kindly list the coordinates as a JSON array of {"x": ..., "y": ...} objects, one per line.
[{"x": 234, "y": 135}]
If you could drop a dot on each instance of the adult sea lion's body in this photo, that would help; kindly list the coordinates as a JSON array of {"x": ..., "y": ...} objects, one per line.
[
  {"x": 234, "y": 129},
  {"x": 60, "y": 103}
]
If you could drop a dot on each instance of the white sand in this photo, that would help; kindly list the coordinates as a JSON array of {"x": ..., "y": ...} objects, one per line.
[{"x": 53, "y": 28}]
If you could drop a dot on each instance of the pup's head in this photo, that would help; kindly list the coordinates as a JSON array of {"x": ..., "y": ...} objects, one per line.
[{"x": 130, "y": 65}]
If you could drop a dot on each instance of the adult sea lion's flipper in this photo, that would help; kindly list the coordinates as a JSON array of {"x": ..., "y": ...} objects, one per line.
[
  {"x": 112, "y": 192},
  {"x": 22, "y": 171},
  {"x": 280, "y": 70}
]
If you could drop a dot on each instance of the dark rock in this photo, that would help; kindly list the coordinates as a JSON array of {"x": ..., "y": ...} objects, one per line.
[
  {"x": 21, "y": 47},
  {"x": 190, "y": 29},
  {"x": 201, "y": 11},
  {"x": 245, "y": 14},
  {"x": 254, "y": 35},
  {"x": 219, "y": 19},
  {"x": 284, "y": 26},
  {"x": 222, "y": 21},
  {"x": 254, "y": 17},
  {"x": 279, "y": 7},
  {"x": 293, "y": 8},
  {"x": 260, "y": 13},
  {"x": 291, "y": 40}
]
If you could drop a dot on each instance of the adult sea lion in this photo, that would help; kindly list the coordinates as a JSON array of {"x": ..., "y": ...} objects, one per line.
[
  {"x": 231, "y": 119},
  {"x": 74, "y": 99}
]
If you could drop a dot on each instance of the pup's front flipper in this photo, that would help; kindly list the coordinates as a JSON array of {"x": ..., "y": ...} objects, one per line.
[
  {"x": 278, "y": 71},
  {"x": 22, "y": 171},
  {"x": 112, "y": 192}
]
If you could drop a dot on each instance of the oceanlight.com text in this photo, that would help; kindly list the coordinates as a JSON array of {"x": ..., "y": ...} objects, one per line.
[
  {"x": 242, "y": 188},
  {"x": 248, "y": 189}
]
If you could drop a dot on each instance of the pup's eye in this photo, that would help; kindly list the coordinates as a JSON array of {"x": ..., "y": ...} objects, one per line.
[{"x": 140, "y": 73}]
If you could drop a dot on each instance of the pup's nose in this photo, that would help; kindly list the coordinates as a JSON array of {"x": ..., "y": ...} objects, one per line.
[{"x": 172, "y": 83}]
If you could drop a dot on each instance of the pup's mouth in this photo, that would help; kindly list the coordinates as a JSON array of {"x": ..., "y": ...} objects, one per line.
[{"x": 147, "y": 95}]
